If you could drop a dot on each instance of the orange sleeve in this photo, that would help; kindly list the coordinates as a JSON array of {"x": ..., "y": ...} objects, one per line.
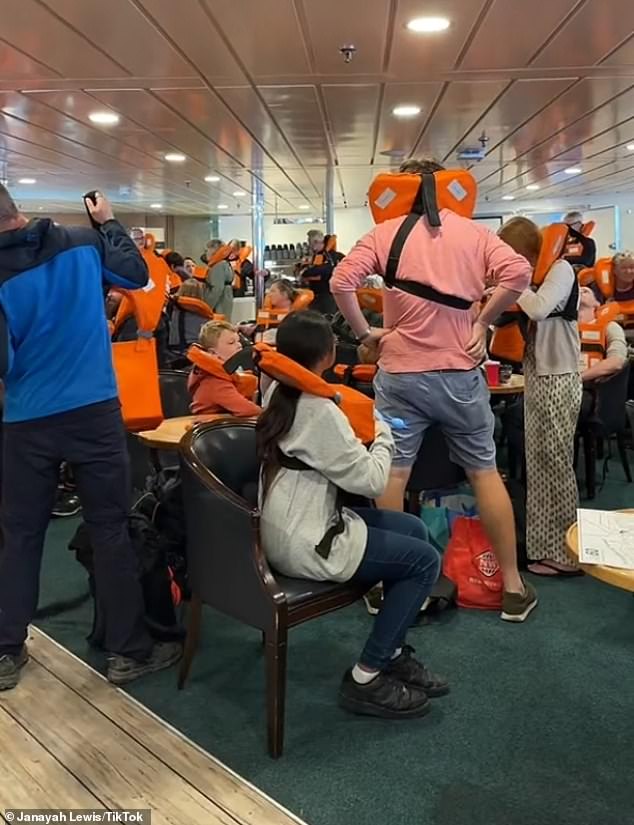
[
  {"x": 212, "y": 395},
  {"x": 230, "y": 400}
]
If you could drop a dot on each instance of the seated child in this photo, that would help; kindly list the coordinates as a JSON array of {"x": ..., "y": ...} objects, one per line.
[
  {"x": 307, "y": 533},
  {"x": 213, "y": 393}
]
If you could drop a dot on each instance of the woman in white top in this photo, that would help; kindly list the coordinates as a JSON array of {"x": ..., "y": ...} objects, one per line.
[
  {"x": 552, "y": 401},
  {"x": 310, "y": 456}
]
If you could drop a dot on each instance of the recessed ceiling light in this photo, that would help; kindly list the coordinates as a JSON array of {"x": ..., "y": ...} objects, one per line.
[
  {"x": 630, "y": 147},
  {"x": 532, "y": 187},
  {"x": 239, "y": 194},
  {"x": 156, "y": 206},
  {"x": 27, "y": 181},
  {"x": 303, "y": 206},
  {"x": 427, "y": 25},
  {"x": 406, "y": 111},
  {"x": 508, "y": 197},
  {"x": 212, "y": 179},
  {"x": 104, "y": 118},
  {"x": 222, "y": 206},
  {"x": 572, "y": 170},
  {"x": 175, "y": 157}
]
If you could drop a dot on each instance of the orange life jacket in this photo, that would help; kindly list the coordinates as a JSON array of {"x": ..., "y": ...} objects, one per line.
[
  {"x": 198, "y": 307},
  {"x": 136, "y": 369},
  {"x": 574, "y": 248},
  {"x": 395, "y": 194},
  {"x": 508, "y": 342},
  {"x": 603, "y": 275},
  {"x": 371, "y": 299},
  {"x": 245, "y": 382},
  {"x": 268, "y": 317},
  {"x": 359, "y": 373},
  {"x": 593, "y": 334},
  {"x": 358, "y": 408},
  {"x": 237, "y": 265},
  {"x": 148, "y": 302},
  {"x": 221, "y": 254}
]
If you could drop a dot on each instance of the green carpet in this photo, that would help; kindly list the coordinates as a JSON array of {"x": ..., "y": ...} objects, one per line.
[{"x": 537, "y": 729}]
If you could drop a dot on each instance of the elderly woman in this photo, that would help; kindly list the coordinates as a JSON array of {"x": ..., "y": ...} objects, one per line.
[
  {"x": 218, "y": 285},
  {"x": 623, "y": 276},
  {"x": 552, "y": 403}
]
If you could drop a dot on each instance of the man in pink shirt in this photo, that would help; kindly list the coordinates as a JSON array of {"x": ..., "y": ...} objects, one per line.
[{"x": 430, "y": 354}]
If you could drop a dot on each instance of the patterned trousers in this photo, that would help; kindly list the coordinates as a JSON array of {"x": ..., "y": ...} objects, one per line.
[{"x": 551, "y": 411}]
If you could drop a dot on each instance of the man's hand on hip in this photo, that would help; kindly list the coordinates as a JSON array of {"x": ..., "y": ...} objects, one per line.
[{"x": 477, "y": 346}]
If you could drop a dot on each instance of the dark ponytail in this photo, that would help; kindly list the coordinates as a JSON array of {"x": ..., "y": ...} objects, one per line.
[{"x": 305, "y": 337}]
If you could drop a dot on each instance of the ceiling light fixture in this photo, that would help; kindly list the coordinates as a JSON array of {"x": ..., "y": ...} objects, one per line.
[
  {"x": 572, "y": 170},
  {"x": 175, "y": 157},
  {"x": 156, "y": 206},
  {"x": 532, "y": 187},
  {"x": 212, "y": 179},
  {"x": 239, "y": 194},
  {"x": 27, "y": 181},
  {"x": 630, "y": 147},
  {"x": 222, "y": 206},
  {"x": 104, "y": 118},
  {"x": 406, "y": 110},
  {"x": 428, "y": 25},
  {"x": 303, "y": 206},
  {"x": 508, "y": 197}
]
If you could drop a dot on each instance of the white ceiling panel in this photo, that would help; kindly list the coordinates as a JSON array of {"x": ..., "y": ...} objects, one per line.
[
  {"x": 592, "y": 33},
  {"x": 511, "y": 33},
  {"x": 248, "y": 88}
]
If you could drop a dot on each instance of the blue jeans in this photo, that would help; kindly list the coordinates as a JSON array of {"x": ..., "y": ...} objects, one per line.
[{"x": 399, "y": 555}]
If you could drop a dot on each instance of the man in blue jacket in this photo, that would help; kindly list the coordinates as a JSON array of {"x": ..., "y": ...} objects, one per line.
[{"x": 61, "y": 404}]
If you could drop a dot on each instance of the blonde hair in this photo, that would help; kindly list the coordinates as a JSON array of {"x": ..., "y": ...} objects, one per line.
[
  {"x": 522, "y": 235},
  {"x": 211, "y": 331},
  {"x": 190, "y": 289},
  {"x": 626, "y": 255}
]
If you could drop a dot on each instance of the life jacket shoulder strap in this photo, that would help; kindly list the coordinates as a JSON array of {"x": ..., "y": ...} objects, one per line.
[
  {"x": 571, "y": 311},
  {"x": 325, "y": 545},
  {"x": 414, "y": 287}
]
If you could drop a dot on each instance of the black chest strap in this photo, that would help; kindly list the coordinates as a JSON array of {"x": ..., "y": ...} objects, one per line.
[
  {"x": 571, "y": 311},
  {"x": 424, "y": 205},
  {"x": 325, "y": 545}
]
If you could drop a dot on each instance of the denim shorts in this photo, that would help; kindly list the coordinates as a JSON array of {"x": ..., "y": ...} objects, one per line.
[{"x": 457, "y": 400}]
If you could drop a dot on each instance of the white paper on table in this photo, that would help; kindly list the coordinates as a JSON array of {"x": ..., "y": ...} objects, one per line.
[{"x": 606, "y": 538}]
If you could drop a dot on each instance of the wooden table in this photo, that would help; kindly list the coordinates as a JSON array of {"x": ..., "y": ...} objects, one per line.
[
  {"x": 168, "y": 435},
  {"x": 514, "y": 387},
  {"x": 616, "y": 576}
]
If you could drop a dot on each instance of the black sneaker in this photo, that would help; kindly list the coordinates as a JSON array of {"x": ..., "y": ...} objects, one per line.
[
  {"x": 66, "y": 505},
  {"x": 374, "y": 600},
  {"x": 414, "y": 674},
  {"x": 385, "y": 697},
  {"x": 10, "y": 668},
  {"x": 122, "y": 669},
  {"x": 516, "y": 607}
]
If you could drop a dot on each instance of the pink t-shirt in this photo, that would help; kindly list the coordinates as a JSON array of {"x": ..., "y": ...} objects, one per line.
[{"x": 455, "y": 259}]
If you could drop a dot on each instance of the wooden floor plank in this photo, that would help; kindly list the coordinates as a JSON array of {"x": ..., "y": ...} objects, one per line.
[
  {"x": 246, "y": 804},
  {"x": 31, "y": 778},
  {"x": 104, "y": 758}
]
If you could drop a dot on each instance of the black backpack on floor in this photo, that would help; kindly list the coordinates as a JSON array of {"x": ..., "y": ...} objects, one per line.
[{"x": 157, "y": 532}]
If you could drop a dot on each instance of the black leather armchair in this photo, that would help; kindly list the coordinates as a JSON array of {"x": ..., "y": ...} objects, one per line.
[
  {"x": 607, "y": 420},
  {"x": 227, "y": 566}
]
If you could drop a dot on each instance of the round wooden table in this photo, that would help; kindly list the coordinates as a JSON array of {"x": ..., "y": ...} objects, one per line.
[
  {"x": 616, "y": 576},
  {"x": 514, "y": 387}
]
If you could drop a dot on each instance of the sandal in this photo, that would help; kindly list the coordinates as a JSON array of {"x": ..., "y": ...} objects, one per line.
[{"x": 547, "y": 569}]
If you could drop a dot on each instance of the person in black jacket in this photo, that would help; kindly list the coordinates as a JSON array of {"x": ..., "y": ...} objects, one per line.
[
  {"x": 580, "y": 251},
  {"x": 317, "y": 273},
  {"x": 61, "y": 404}
]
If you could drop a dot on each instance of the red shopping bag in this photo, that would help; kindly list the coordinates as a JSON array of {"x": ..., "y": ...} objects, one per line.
[{"x": 471, "y": 565}]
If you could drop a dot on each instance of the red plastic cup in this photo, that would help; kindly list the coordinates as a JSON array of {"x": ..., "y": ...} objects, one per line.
[{"x": 493, "y": 373}]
